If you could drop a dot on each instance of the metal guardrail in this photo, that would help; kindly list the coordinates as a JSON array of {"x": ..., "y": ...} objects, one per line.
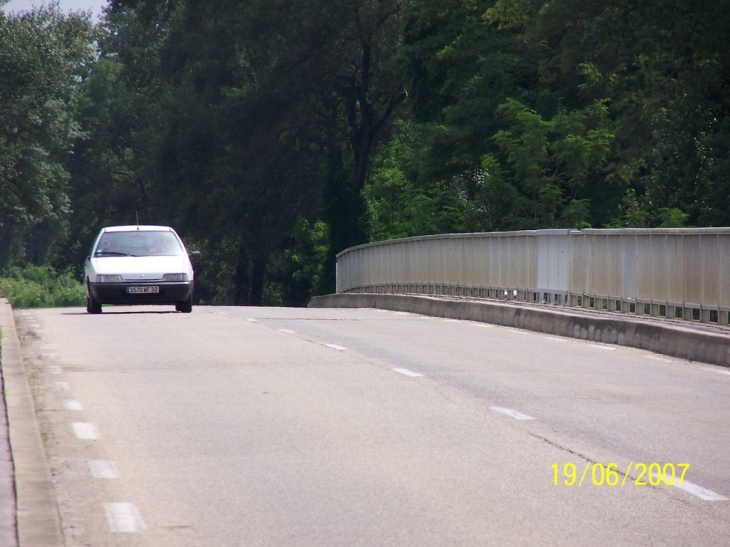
[{"x": 675, "y": 272}]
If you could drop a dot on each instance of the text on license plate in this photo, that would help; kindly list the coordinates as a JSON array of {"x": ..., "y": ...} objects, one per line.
[{"x": 143, "y": 290}]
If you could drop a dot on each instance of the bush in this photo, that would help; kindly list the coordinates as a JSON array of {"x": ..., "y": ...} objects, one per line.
[{"x": 41, "y": 287}]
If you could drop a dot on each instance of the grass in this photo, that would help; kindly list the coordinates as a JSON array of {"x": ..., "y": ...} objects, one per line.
[{"x": 41, "y": 287}]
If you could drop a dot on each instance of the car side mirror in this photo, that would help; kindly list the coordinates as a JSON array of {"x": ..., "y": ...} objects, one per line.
[{"x": 194, "y": 255}]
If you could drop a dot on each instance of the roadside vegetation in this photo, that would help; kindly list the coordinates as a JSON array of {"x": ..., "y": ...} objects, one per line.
[
  {"x": 275, "y": 136},
  {"x": 41, "y": 287}
]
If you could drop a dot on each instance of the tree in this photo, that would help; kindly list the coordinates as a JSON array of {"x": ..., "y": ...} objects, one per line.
[{"x": 43, "y": 56}]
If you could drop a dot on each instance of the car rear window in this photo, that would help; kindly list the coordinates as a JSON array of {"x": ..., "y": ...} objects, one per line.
[{"x": 138, "y": 243}]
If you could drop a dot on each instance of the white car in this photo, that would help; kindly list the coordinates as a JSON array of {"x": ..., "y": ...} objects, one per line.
[{"x": 131, "y": 265}]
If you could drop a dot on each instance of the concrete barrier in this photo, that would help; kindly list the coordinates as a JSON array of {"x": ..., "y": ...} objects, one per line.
[{"x": 692, "y": 343}]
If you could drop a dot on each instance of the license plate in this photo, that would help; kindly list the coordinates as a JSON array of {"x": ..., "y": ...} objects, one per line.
[{"x": 143, "y": 290}]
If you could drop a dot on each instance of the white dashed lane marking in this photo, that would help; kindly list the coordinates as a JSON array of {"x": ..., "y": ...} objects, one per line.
[
  {"x": 72, "y": 404},
  {"x": 103, "y": 469},
  {"x": 287, "y": 331},
  {"x": 49, "y": 356},
  {"x": 251, "y": 320},
  {"x": 452, "y": 320},
  {"x": 85, "y": 431},
  {"x": 482, "y": 325},
  {"x": 335, "y": 346},
  {"x": 408, "y": 372},
  {"x": 695, "y": 490},
  {"x": 718, "y": 371},
  {"x": 702, "y": 493},
  {"x": 513, "y": 413},
  {"x": 123, "y": 517},
  {"x": 516, "y": 331}
]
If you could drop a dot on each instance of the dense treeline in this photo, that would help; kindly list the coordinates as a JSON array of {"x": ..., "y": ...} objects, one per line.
[{"x": 274, "y": 134}]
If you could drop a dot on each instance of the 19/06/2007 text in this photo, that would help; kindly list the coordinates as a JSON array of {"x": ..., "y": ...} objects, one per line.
[{"x": 652, "y": 474}]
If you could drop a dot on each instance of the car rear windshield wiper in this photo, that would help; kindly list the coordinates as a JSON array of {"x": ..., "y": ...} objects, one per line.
[{"x": 111, "y": 253}]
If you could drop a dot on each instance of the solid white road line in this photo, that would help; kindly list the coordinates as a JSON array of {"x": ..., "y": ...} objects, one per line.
[
  {"x": 72, "y": 404},
  {"x": 123, "y": 517},
  {"x": 251, "y": 320},
  {"x": 512, "y": 413},
  {"x": 335, "y": 346},
  {"x": 85, "y": 431},
  {"x": 555, "y": 339},
  {"x": 53, "y": 369},
  {"x": 482, "y": 325},
  {"x": 401, "y": 313},
  {"x": 609, "y": 348},
  {"x": 655, "y": 358},
  {"x": 452, "y": 320},
  {"x": 408, "y": 372},
  {"x": 287, "y": 331},
  {"x": 63, "y": 386},
  {"x": 517, "y": 331},
  {"x": 103, "y": 469},
  {"x": 718, "y": 371}
]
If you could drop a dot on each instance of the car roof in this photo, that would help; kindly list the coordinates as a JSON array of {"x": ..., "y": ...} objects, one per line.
[{"x": 135, "y": 228}]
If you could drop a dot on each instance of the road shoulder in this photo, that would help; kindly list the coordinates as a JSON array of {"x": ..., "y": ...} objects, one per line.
[
  {"x": 686, "y": 342},
  {"x": 38, "y": 521}
]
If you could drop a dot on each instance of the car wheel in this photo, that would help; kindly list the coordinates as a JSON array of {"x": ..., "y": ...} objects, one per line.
[
  {"x": 186, "y": 306},
  {"x": 92, "y": 306}
]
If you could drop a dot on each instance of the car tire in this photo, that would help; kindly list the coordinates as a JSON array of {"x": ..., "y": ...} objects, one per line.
[
  {"x": 186, "y": 306},
  {"x": 92, "y": 306}
]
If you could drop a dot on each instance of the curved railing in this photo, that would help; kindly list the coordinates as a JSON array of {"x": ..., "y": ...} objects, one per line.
[{"x": 674, "y": 272}]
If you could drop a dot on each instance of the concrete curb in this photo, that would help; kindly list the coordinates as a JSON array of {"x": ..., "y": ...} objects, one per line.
[
  {"x": 674, "y": 340},
  {"x": 38, "y": 520}
]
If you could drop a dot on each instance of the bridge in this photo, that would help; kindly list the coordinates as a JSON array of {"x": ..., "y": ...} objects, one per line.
[{"x": 667, "y": 290}]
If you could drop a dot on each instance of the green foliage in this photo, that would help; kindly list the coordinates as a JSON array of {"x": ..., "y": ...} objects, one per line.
[
  {"x": 43, "y": 54},
  {"x": 41, "y": 287},
  {"x": 309, "y": 254},
  {"x": 298, "y": 272},
  {"x": 549, "y": 161},
  {"x": 398, "y": 204}
]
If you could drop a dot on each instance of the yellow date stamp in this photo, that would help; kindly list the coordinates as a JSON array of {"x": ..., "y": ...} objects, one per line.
[{"x": 598, "y": 474}]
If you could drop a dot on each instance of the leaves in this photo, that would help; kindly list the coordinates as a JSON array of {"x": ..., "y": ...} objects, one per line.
[{"x": 43, "y": 56}]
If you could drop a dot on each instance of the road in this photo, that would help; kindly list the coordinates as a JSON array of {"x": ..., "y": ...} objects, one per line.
[{"x": 337, "y": 427}]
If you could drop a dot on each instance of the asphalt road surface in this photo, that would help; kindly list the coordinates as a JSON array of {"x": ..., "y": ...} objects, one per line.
[{"x": 237, "y": 427}]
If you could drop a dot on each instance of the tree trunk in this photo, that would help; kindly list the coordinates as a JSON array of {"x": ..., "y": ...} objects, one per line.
[
  {"x": 242, "y": 278},
  {"x": 258, "y": 271}
]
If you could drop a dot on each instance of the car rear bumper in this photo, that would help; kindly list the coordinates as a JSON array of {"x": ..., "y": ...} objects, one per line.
[{"x": 117, "y": 293}]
